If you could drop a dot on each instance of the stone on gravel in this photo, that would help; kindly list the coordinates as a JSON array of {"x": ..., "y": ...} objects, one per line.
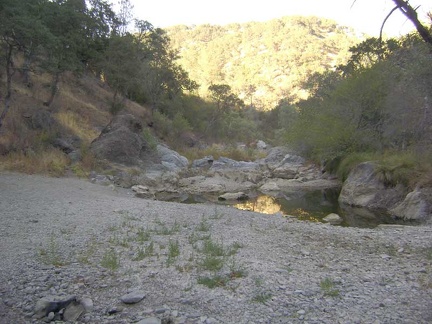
[
  {"x": 150, "y": 320},
  {"x": 133, "y": 297},
  {"x": 333, "y": 218},
  {"x": 73, "y": 311}
]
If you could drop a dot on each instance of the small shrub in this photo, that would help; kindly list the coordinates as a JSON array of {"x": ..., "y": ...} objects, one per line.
[
  {"x": 213, "y": 282},
  {"x": 262, "y": 297},
  {"x": 211, "y": 248},
  {"x": 203, "y": 226},
  {"x": 51, "y": 255},
  {"x": 212, "y": 263},
  {"x": 140, "y": 255},
  {"x": 143, "y": 235},
  {"x": 236, "y": 271},
  {"x": 149, "y": 138},
  {"x": 110, "y": 260},
  {"x": 327, "y": 286},
  {"x": 173, "y": 249}
]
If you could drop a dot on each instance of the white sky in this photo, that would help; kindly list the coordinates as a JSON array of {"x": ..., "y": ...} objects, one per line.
[{"x": 365, "y": 15}]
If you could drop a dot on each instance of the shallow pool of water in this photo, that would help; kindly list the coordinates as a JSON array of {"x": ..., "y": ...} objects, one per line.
[
  {"x": 314, "y": 205},
  {"x": 309, "y": 205}
]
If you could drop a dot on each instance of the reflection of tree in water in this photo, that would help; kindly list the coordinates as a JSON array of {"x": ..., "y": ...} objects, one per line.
[
  {"x": 311, "y": 206},
  {"x": 304, "y": 215},
  {"x": 262, "y": 204}
]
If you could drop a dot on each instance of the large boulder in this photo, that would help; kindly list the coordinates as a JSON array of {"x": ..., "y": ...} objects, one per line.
[
  {"x": 416, "y": 206},
  {"x": 170, "y": 159},
  {"x": 121, "y": 141},
  {"x": 364, "y": 187},
  {"x": 275, "y": 157},
  {"x": 289, "y": 167}
]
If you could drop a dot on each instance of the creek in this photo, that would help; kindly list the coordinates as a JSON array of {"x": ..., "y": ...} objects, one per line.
[{"x": 306, "y": 205}]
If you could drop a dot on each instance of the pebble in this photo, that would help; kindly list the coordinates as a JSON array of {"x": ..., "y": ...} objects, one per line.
[{"x": 133, "y": 297}]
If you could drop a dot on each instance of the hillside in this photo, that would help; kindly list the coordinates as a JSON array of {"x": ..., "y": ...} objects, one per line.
[{"x": 262, "y": 62}]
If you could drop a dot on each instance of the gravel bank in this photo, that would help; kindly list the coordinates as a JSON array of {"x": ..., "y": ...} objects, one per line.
[{"x": 63, "y": 237}]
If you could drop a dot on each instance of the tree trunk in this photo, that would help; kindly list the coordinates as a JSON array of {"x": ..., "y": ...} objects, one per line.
[
  {"x": 10, "y": 70},
  {"x": 54, "y": 89},
  {"x": 411, "y": 14}
]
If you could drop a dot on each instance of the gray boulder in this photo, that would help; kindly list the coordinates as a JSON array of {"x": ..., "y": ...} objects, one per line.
[
  {"x": 121, "y": 141},
  {"x": 417, "y": 206},
  {"x": 275, "y": 157},
  {"x": 205, "y": 162},
  {"x": 170, "y": 159},
  {"x": 333, "y": 219},
  {"x": 364, "y": 188}
]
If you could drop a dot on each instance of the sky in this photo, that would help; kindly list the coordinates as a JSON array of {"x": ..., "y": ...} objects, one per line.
[{"x": 364, "y": 15}]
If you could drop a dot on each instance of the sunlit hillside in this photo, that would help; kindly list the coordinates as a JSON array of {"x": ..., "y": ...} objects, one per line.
[{"x": 262, "y": 62}]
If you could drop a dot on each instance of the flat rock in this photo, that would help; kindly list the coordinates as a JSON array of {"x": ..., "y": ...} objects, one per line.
[
  {"x": 133, "y": 297},
  {"x": 233, "y": 196},
  {"x": 150, "y": 320},
  {"x": 333, "y": 218}
]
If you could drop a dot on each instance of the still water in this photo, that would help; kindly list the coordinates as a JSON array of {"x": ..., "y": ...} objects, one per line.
[
  {"x": 314, "y": 205},
  {"x": 306, "y": 205}
]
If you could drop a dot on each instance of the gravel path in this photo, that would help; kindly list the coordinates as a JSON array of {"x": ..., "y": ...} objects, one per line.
[{"x": 199, "y": 263}]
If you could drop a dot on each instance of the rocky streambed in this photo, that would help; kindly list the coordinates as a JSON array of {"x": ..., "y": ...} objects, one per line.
[{"x": 73, "y": 250}]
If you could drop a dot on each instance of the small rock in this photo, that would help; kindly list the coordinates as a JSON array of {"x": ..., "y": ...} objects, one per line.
[
  {"x": 333, "y": 218},
  {"x": 50, "y": 317},
  {"x": 160, "y": 310},
  {"x": 150, "y": 320},
  {"x": 133, "y": 297},
  {"x": 233, "y": 196},
  {"x": 73, "y": 311},
  {"x": 87, "y": 303}
]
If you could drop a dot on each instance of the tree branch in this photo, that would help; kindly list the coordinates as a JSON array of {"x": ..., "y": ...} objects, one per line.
[
  {"x": 388, "y": 16},
  {"x": 411, "y": 14}
]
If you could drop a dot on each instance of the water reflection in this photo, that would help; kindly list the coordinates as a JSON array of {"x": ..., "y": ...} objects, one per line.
[
  {"x": 261, "y": 204},
  {"x": 310, "y": 206},
  {"x": 306, "y": 205}
]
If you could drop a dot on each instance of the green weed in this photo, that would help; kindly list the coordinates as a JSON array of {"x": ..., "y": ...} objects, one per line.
[
  {"x": 328, "y": 287},
  {"x": 173, "y": 251},
  {"x": 212, "y": 263},
  {"x": 51, "y": 255},
  {"x": 203, "y": 226},
  {"x": 110, "y": 260},
  {"x": 143, "y": 235},
  {"x": 213, "y": 282},
  {"x": 262, "y": 297}
]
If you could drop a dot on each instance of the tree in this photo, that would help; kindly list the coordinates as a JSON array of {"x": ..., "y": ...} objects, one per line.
[
  {"x": 21, "y": 30},
  {"x": 224, "y": 98}
]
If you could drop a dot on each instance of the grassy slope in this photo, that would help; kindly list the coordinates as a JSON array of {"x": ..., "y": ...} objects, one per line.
[{"x": 81, "y": 109}]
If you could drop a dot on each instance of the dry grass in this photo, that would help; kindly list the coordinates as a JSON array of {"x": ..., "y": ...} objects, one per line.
[
  {"x": 51, "y": 161},
  {"x": 81, "y": 108},
  {"x": 77, "y": 125}
]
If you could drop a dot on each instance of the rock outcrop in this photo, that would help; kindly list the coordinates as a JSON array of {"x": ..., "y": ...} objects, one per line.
[
  {"x": 365, "y": 188},
  {"x": 416, "y": 206},
  {"x": 121, "y": 141}
]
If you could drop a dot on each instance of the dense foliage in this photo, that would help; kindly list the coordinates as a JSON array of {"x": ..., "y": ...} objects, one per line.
[{"x": 88, "y": 36}]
